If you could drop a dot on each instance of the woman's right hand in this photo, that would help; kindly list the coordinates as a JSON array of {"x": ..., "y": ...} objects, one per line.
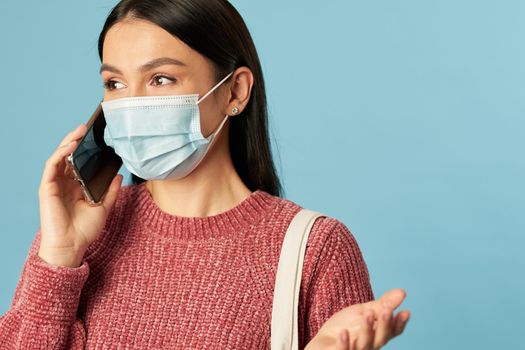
[{"x": 68, "y": 224}]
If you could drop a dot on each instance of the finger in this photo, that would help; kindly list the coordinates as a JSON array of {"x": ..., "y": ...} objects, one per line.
[
  {"x": 353, "y": 343},
  {"x": 343, "y": 342},
  {"x": 400, "y": 323},
  {"x": 365, "y": 337},
  {"x": 390, "y": 300},
  {"x": 74, "y": 135},
  {"x": 111, "y": 195},
  {"x": 383, "y": 331},
  {"x": 68, "y": 171},
  {"x": 393, "y": 298},
  {"x": 54, "y": 162}
]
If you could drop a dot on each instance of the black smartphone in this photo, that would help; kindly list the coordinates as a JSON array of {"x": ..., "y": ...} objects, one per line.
[{"x": 93, "y": 163}]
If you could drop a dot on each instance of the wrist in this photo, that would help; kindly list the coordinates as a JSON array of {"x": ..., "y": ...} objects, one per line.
[{"x": 67, "y": 258}]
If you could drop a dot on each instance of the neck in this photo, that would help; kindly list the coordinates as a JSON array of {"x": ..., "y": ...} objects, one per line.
[{"x": 211, "y": 188}]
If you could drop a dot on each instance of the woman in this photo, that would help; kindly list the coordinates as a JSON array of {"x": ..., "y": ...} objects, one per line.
[{"x": 186, "y": 256}]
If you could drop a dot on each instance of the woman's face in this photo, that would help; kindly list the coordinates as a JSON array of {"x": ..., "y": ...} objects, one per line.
[{"x": 142, "y": 59}]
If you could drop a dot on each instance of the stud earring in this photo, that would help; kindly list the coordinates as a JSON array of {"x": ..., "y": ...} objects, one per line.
[{"x": 235, "y": 110}]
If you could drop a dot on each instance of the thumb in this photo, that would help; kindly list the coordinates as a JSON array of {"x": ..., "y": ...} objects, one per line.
[
  {"x": 393, "y": 298},
  {"x": 111, "y": 194}
]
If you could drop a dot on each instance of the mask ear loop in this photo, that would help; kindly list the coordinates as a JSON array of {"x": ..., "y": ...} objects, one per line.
[
  {"x": 213, "y": 134},
  {"x": 215, "y": 87}
]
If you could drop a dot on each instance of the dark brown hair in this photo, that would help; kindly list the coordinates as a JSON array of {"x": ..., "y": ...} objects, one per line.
[{"x": 216, "y": 30}]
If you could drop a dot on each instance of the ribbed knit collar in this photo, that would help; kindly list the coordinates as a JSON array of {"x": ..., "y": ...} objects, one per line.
[{"x": 246, "y": 213}]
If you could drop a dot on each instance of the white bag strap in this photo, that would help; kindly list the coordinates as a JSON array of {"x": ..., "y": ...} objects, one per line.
[{"x": 284, "y": 328}]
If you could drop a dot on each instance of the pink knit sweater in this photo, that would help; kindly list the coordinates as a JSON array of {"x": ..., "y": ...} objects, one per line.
[{"x": 153, "y": 280}]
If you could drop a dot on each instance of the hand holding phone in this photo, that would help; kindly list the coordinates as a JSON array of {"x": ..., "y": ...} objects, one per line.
[
  {"x": 93, "y": 163},
  {"x": 69, "y": 223}
]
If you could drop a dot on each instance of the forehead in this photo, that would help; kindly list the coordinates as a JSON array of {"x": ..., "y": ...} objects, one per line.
[{"x": 131, "y": 42}]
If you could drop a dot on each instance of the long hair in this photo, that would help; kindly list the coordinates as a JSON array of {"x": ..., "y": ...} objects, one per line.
[{"x": 216, "y": 30}]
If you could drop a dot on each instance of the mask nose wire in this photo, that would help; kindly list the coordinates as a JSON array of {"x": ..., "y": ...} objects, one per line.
[{"x": 215, "y": 87}]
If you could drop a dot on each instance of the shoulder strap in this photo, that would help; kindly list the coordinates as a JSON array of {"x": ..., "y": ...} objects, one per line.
[{"x": 284, "y": 328}]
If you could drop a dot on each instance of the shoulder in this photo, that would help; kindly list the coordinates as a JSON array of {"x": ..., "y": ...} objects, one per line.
[
  {"x": 332, "y": 249},
  {"x": 326, "y": 234},
  {"x": 330, "y": 240}
]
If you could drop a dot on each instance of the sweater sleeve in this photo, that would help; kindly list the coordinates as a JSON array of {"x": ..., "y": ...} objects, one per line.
[
  {"x": 43, "y": 312},
  {"x": 336, "y": 276}
]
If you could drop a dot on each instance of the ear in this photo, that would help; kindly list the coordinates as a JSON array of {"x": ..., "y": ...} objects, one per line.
[{"x": 241, "y": 84}]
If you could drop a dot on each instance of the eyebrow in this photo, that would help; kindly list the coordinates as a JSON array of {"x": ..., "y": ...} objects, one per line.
[{"x": 157, "y": 62}]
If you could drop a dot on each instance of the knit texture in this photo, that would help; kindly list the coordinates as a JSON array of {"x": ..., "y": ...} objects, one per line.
[{"x": 153, "y": 280}]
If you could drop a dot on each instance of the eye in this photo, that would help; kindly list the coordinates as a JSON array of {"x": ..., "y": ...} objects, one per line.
[
  {"x": 110, "y": 84},
  {"x": 162, "y": 78}
]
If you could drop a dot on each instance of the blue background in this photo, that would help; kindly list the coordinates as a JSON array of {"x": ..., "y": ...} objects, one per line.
[{"x": 402, "y": 118}]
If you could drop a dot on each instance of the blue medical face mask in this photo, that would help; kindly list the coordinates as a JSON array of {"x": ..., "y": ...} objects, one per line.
[{"x": 158, "y": 137}]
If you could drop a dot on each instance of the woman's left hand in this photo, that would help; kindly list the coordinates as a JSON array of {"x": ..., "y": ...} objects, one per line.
[{"x": 367, "y": 326}]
